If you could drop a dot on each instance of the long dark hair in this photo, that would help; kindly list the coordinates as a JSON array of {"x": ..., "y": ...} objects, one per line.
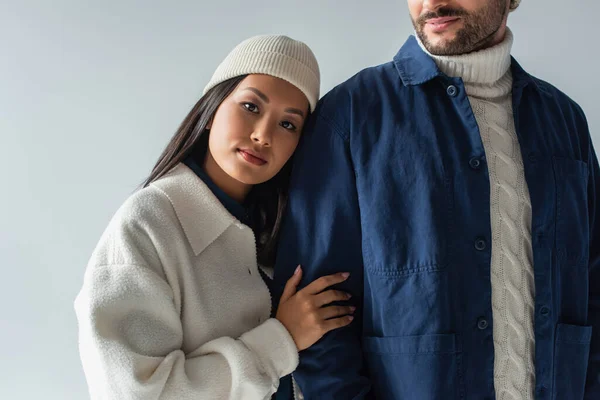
[{"x": 265, "y": 202}]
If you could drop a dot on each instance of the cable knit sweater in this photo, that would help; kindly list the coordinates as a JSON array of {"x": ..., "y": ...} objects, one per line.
[
  {"x": 173, "y": 305},
  {"x": 488, "y": 82}
]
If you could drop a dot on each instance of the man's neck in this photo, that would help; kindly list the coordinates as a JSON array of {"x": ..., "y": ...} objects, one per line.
[
  {"x": 481, "y": 67},
  {"x": 498, "y": 38}
]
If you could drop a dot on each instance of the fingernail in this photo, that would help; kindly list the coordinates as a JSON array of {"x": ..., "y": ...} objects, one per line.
[
  {"x": 350, "y": 318},
  {"x": 348, "y": 295},
  {"x": 345, "y": 275},
  {"x": 353, "y": 308},
  {"x": 298, "y": 268}
]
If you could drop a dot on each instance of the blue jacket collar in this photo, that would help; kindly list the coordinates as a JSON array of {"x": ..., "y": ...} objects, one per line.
[{"x": 416, "y": 67}]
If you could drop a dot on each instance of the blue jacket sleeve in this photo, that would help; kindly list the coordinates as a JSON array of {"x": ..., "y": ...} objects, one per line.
[
  {"x": 593, "y": 373},
  {"x": 321, "y": 231}
]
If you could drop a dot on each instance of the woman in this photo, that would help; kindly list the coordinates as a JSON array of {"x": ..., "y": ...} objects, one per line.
[{"x": 174, "y": 304}]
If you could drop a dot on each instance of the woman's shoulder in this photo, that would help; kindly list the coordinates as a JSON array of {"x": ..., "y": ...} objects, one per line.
[
  {"x": 157, "y": 204},
  {"x": 138, "y": 230},
  {"x": 148, "y": 204}
]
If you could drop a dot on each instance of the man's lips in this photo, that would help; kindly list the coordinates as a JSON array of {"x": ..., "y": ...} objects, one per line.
[
  {"x": 252, "y": 157},
  {"x": 439, "y": 24}
]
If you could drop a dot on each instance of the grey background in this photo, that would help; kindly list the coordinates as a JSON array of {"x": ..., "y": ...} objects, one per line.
[{"x": 90, "y": 92}]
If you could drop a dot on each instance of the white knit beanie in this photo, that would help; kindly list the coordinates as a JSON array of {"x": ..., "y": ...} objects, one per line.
[{"x": 275, "y": 55}]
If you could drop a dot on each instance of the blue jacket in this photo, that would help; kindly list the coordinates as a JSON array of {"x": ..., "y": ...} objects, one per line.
[{"x": 390, "y": 183}]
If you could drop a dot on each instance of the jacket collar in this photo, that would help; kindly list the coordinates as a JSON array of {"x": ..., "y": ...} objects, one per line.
[
  {"x": 416, "y": 67},
  {"x": 200, "y": 213}
]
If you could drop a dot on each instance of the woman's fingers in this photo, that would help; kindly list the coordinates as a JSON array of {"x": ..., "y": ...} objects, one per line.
[
  {"x": 330, "y": 296},
  {"x": 335, "y": 311},
  {"x": 318, "y": 285},
  {"x": 336, "y": 323},
  {"x": 292, "y": 285},
  {"x": 302, "y": 311}
]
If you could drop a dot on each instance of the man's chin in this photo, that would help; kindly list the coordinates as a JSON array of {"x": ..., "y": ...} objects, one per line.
[
  {"x": 437, "y": 48},
  {"x": 435, "y": 41},
  {"x": 442, "y": 46}
]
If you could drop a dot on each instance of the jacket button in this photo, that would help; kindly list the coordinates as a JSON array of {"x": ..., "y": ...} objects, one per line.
[
  {"x": 474, "y": 163},
  {"x": 482, "y": 324},
  {"x": 480, "y": 244},
  {"x": 544, "y": 311},
  {"x": 452, "y": 91}
]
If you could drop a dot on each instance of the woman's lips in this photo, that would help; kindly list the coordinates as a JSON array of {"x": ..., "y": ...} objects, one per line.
[{"x": 252, "y": 158}]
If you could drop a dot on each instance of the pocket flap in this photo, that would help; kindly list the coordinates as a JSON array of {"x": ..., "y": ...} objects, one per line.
[
  {"x": 573, "y": 334},
  {"x": 567, "y": 166}
]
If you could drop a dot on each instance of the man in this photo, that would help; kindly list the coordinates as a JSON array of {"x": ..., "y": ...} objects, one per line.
[{"x": 463, "y": 196}]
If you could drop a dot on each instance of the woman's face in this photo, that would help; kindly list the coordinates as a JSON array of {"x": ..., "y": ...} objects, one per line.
[{"x": 256, "y": 129}]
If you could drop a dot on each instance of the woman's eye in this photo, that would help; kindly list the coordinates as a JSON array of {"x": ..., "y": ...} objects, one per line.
[
  {"x": 251, "y": 107},
  {"x": 288, "y": 125}
]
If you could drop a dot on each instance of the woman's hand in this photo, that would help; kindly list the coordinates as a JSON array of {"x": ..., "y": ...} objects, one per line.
[{"x": 304, "y": 313}]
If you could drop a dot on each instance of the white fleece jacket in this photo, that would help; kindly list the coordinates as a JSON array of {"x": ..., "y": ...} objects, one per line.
[{"x": 173, "y": 305}]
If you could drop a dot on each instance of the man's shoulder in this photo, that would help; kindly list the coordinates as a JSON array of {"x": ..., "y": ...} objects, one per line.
[
  {"x": 371, "y": 75},
  {"x": 564, "y": 101},
  {"x": 361, "y": 84},
  {"x": 565, "y": 113},
  {"x": 363, "y": 90}
]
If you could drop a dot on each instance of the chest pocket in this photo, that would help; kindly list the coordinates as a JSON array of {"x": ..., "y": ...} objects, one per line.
[{"x": 572, "y": 222}]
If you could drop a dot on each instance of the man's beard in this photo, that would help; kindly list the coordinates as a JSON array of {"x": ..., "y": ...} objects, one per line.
[{"x": 478, "y": 31}]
